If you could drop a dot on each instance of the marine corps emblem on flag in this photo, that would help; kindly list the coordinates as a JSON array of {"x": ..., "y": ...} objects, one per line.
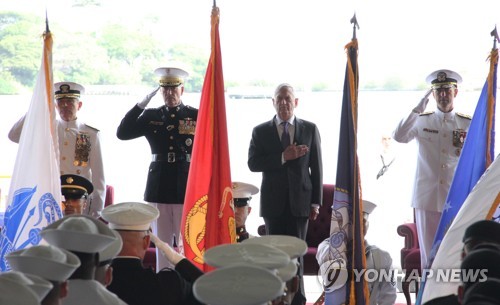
[
  {"x": 459, "y": 137},
  {"x": 195, "y": 228}
]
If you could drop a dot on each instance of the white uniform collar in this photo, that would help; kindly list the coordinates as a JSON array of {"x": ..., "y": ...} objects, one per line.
[{"x": 445, "y": 115}]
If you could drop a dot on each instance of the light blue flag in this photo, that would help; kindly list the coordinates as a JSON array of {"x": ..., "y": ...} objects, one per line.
[
  {"x": 35, "y": 190},
  {"x": 477, "y": 154}
]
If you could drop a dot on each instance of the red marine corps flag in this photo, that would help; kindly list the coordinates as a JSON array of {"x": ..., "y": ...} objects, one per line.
[{"x": 208, "y": 216}]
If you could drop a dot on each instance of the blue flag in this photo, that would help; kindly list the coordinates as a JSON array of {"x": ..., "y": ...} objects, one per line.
[
  {"x": 477, "y": 155},
  {"x": 35, "y": 190},
  {"x": 346, "y": 251}
]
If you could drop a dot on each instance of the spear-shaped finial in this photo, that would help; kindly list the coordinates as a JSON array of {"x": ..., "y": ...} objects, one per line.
[
  {"x": 46, "y": 22},
  {"x": 494, "y": 33},
  {"x": 355, "y": 24}
]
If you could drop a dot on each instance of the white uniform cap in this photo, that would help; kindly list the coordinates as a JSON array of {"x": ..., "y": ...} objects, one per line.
[
  {"x": 289, "y": 271},
  {"x": 171, "y": 76},
  {"x": 232, "y": 254},
  {"x": 40, "y": 286},
  {"x": 130, "y": 216},
  {"x": 15, "y": 293},
  {"x": 291, "y": 245},
  {"x": 79, "y": 233},
  {"x": 68, "y": 90},
  {"x": 443, "y": 77},
  {"x": 112, "y": 250},
  {"x": 46, "y": 261},
  {"x": 238, "y": 285},
  {"x": 244, "y": 190},
  {"x": 368, "y": 206}
]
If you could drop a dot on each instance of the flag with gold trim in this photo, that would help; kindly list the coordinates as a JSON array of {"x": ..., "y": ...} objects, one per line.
[
  {"x": 208, "y": 216},
  {"x": 35, "y": 190}
]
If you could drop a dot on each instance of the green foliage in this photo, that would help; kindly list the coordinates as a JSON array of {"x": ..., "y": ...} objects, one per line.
[
  {"x": 20, "y": 54},
  {"x": 115, "y": 54}
]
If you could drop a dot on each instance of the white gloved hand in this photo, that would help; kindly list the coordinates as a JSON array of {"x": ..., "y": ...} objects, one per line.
[
  {"x": 423, "y": 103},
  {"x": 166, "y": 250},
  {"x": 148, "y": 98}
]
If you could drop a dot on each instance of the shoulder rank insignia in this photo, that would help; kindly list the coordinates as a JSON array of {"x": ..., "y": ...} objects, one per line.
[
  {"x": 463, "y": 115},
  {"x": 426, "y": 113},
  {"x": 92, "y": 127}
]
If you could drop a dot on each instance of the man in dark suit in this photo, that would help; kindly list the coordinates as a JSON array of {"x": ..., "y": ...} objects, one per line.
[
  {"x": 287, "y": 150},
  {"x": 132, "y": 282}
]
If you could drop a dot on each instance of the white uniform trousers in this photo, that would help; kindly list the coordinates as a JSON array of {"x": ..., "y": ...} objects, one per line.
[
  {"x": 166, "y": 227},
  {"x": 427, "y": 223}
]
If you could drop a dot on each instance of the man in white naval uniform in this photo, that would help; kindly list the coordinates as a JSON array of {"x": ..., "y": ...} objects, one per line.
[
  {"x": 379, "y": 269},
  {"x": 440, "y": 135},
  {"x": 86, "y": 237},
  {"x": 79, "y": 144}
]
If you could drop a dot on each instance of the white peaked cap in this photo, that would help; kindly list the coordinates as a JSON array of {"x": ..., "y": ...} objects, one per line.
[
  {"x": 130, "y": 216},
  {"x": 112, "y": 250},
  {"x": 368, "y": 206},
  {"x": 79, "y": 233},
  {"x": 233, "y": 254},
  {"x": 238, "y": 285},
  {"x": 46, "y": 261},
  {"x": 40, "y": 286},
  {"x": 15, "y": 293},
  {"x": 244, "y": 190},
  {"x": 291, "y": 245}
]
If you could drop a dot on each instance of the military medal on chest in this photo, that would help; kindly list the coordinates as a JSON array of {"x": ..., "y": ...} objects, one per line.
[
  {"x": 458, "y": 140},
  {"x": 82, "y": 149},
  {"x": 187, "y": 126}
]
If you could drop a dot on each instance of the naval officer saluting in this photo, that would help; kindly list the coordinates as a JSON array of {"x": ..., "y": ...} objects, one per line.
[
  {"x": 440, "y": 135},
  {"x": 169, "y": 130}
]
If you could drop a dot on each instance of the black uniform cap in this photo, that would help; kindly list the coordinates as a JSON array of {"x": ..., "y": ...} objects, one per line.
[{"x": 73, "y": 186}]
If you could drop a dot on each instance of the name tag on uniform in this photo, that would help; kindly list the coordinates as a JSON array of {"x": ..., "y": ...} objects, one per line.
[
  {"x": 156, "y": 123},
  {"x": 431, "y": 130},
  {"x": 187, "y": 126}
]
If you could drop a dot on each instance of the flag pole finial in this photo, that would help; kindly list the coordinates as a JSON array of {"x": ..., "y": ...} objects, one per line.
[
  {"x": 355, "y": 24},
  {"x": 47, "y": 21},
  {"x": 215, "y": 3},
  {"x": 494, "y": 33}
]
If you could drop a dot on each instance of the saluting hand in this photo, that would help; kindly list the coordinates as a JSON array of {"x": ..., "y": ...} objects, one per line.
[
  {"x": 148, "y": 98},
  {"x": 423, "y": 103}
]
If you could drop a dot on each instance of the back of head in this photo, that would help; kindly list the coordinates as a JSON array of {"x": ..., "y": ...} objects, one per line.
[
  {"x": 482, "y": 263},
  {"x": 483, "y": 293},
  {"x": 483, "y": 231}
]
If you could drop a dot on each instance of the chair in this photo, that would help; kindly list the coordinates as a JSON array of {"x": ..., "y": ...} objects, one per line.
[
  {"x": 410, "y": 258},
  {"x": 110, "y": 195},
  {"x": 317, "y": 231}
]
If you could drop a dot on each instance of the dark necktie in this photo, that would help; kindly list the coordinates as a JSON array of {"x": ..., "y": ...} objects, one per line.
[{"x": 285, "y": 136}]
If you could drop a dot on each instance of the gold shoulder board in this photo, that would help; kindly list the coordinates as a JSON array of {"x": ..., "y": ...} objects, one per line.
[
  {"x": 465, "y": 116},
  {"x": 426, "y": 113}
]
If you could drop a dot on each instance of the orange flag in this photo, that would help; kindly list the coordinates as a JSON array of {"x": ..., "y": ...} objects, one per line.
[{"x": 208, "y": 216}]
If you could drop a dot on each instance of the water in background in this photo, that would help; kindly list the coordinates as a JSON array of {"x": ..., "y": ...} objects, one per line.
[{"x": 126, "y": 162}]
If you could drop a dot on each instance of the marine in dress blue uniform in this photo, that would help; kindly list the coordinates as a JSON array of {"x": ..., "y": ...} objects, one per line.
[
  {"x": 440, "y": 135},
  {"x": 169, "y": 130},
  {"x": 132, "y": 282},
  {"x": 79, "y": 143}
]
